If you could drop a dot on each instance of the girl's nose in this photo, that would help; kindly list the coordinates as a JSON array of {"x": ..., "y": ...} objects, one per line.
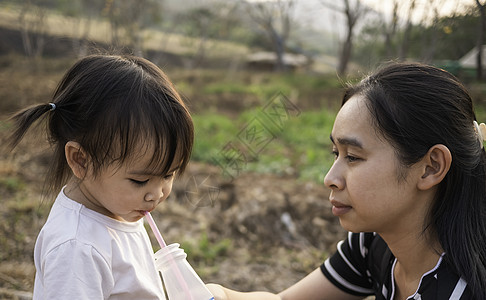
[
  {"x": 155, "y": 194},
  {"x": 334, "y": 179}
]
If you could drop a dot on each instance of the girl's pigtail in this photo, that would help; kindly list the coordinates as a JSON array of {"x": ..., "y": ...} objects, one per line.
[{"x": 24, "y": 119}]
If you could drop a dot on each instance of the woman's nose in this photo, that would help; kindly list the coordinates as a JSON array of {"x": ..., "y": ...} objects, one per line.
[{"x": 333, "y": 178}]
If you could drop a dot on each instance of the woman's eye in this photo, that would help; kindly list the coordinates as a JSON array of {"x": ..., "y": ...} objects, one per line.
[
  {"x": 349, "y": 158},
  {"x": 138, "y": 182}
]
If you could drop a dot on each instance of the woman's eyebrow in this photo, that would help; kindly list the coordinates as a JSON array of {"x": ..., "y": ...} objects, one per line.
[{"x": 347, "y": 142}]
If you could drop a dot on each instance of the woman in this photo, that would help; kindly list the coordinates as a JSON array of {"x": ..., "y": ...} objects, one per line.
[{"x": 409, "y": 184}]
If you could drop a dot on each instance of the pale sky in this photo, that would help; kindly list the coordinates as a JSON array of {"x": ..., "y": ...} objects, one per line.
[
  {"x": 424, "y": 10},
  {"x": 423, "y": 7},
  {"x": 313, "y": 14}
]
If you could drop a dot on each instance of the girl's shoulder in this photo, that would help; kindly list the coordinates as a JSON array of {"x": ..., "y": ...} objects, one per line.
[{"x": 70, "y": 221}]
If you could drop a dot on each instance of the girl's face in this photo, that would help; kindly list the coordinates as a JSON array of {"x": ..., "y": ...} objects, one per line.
[
  {"x": 125, "y": 192},
  {"x": 366, "y": 192}
]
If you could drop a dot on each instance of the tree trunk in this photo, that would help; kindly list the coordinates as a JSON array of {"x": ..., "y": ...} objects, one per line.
[
  {"x": 352, "y": 17},
  {"x": 279, "y": 42},
  {"x": 32, "y": 20},
  {"x": 24, "y": 31},
  {"x": 406, "y": 34},
  {"x": 482, "y": 29},
  {"x": 390, "y": 32},
  {"x": 345, "y": 54}
]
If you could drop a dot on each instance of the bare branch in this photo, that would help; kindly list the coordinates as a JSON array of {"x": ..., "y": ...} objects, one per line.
[{"x": 276, "y": 19}]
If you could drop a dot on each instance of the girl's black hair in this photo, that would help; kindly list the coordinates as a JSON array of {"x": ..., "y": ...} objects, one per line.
[
  {"x": 114, "y": 107},
  {"x": 414, "y": 107}
]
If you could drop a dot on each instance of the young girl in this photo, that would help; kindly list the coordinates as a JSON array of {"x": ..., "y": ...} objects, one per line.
[
  {"x": 408, "y": 182},
  {"x": 120, "y": 133}
]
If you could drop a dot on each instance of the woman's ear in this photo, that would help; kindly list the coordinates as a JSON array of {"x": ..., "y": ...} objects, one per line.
[
  {"x": 437, "y": 163},
  {"x": 77, "y": 159}
]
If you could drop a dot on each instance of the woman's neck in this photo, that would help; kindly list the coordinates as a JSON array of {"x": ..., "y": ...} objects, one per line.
[{"x": 416, "y": 254}]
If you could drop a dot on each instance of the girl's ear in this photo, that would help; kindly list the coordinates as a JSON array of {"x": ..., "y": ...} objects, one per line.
[
  {"x": 77, "y": 159},
  {"x": 437, "y": 163}
]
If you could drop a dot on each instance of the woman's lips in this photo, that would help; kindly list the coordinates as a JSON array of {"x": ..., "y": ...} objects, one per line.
[{"x": 339, "y": 209}]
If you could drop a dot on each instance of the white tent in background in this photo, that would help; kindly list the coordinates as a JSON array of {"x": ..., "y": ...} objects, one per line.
[{"x": 469, "y": 60}]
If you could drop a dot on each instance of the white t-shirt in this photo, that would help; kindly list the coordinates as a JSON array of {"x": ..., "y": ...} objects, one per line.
[{"x": 82, "y": 254}]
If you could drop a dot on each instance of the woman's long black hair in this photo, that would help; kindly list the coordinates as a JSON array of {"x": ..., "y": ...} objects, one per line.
[{"x": 414, "y": 107}]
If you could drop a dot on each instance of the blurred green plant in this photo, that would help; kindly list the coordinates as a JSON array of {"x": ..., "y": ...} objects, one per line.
[
  {"x": 205, "y": 252},
  {"x": 212, "y": 131},
  {"x": 266, "y": 85},
  {"x": 12, "y": 184},
  {"x": 301, "y": 147}
]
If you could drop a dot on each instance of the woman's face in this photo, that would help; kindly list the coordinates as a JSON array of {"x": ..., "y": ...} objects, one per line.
[{"x": 367, "y": 193}]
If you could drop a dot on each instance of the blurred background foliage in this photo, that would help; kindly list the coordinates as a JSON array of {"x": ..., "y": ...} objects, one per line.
[{"x": 228, "y": 58}]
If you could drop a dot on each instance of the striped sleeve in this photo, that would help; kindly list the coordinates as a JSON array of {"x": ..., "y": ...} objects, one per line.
[{"x": 347, "y": 268}]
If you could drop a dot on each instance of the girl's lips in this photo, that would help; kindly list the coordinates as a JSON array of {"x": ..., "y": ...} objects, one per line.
[
  {"x": 146, "y": 210},
  {"x": 339, "y": 209}
]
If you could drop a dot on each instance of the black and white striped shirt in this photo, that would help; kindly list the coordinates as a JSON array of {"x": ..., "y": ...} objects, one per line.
[{"x": 363, "y": 265}]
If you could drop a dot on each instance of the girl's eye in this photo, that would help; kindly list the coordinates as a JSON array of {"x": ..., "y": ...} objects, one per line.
[
  {"x": 169, "y": 176},
  {"x": 138, "y": 182}
]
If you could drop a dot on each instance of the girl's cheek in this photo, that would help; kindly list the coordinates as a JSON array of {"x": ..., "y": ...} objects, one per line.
[{"x": 168, "y": 190}]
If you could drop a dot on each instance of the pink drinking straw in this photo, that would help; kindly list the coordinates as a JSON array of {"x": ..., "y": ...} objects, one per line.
[
  {"x": 155, "y": 230},
  {"x": 162, "y": 244}
]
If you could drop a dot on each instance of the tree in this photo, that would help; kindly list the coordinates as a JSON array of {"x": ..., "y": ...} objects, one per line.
[
  {"x": 275, "y": 17},
  {"x": 83, "y": 13},
  {"x": 33, "y": 26},
  {"x": 453, "y": 35},
  {"x": 390, "y": 30},
  {"x": 353, "y": 13},
  {"x": 481, "y": 37},
  {"x": 128, "y": 19},
  {"x": 403, "y": 52},
  {"x": 437, "y": 39},
  {"x": 429, "y": 40},
  {"x": 198, "y": 24}
]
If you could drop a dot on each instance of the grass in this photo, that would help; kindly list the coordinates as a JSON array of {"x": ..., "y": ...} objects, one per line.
[
  {"x": 203, "y": 251},
  {"x": 297, "y": 143},
  {"x": 12, "y": 184},
  {"x": 300, "y": 147},
  {"x": 266, "y": 85},
  {"x": 212, "y": 131}
]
